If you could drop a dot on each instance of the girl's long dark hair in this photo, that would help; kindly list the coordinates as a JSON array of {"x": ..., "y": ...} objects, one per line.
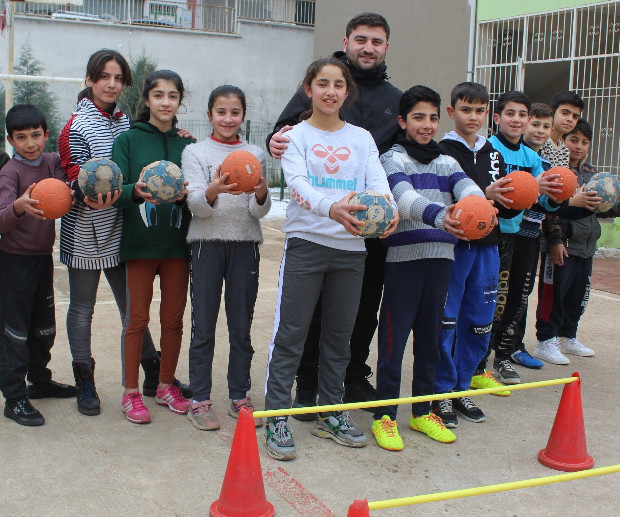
[
  {"x": 95, "y": 66},
  {"x": 151, "y": 82}
]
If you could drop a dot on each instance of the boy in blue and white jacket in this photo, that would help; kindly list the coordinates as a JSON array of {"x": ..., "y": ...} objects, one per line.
[{"x": 419, "y": 260}]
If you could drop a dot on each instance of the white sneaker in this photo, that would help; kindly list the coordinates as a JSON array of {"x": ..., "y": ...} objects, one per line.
[
  {"x": 549, "y": 351},
  {"x": 574, "y": 347}
]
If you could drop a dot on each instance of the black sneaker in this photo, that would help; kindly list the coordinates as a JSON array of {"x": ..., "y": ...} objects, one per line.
[
  {"x": 43, "y": 390},
  {"x": 186, "y": 391},
  {"x": 304, "y": 398},
  {"x": 443, "y": 409},
  {"x": 23, "y": 413},
  {"x": 360, "y": 391},
  {"x": 468, "y": 410},
  {"x": 506, "y": 372}
]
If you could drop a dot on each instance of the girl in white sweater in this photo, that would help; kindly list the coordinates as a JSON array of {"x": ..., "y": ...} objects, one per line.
[{"x": 224, "y": 236}]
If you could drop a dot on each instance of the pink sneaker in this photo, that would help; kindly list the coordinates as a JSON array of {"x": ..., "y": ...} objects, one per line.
[
  {"x": 134, "y": 409},
  {"x": 172, "y": 397}
]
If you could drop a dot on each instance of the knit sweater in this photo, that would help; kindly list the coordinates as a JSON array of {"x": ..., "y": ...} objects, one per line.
[
  {"x": 322, "y": 167},
  {"x": 149, "y": 231},
  {"x": 25, "y": 234},
  {"x": 422, "y": 192},
  {"x": 89, "y": 239},
  {"x": 232, "y": 217}
]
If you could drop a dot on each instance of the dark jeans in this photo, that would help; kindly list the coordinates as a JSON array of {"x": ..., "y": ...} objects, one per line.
[
  {"x": 27, "y": 319},
  {"x": 363, "y": 331}
]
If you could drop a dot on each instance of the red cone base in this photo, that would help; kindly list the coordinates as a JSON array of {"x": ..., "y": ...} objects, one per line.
[
  {"x": 243, "y": 491},
  {"x": 359, "y": 509},
  {"x": 566, "y": 449}
]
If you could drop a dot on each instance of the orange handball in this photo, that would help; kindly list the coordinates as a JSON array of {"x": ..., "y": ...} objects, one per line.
[
  {"x": 525, "y": 191},
  {"x": 54, "y": 197},
  {"x": 243, "y": 169},
  {"x": 477, "y": 216},
  {"x": 568, "y": 180}
]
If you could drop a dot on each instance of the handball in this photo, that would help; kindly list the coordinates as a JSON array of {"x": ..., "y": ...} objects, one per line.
[
  {"x": 377, "y": 216},
  {"x": 99, "y": 176},
  {"x": 54, "y": 197},
  {"x": 568, "y": 180},
  {"x": 476, "y": 215},
  {"x": 607, "y": 187},
  {"x": 525, "y": 191},
  {"x": 164, "y": 181},
  {"x": 243, "y": 168}
]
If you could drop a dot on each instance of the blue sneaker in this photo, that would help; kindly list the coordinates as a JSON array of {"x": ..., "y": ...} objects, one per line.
[{"x": 523, "y": 358}]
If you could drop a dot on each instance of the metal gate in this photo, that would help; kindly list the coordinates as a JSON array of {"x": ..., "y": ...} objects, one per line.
[{"x": 579, "y": 48}]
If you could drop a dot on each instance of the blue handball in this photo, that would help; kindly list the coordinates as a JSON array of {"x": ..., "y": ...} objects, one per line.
[
  {"x": 99, "y": 176},
  {"x": 607, "y": 187},
  {"x": 378, "y": 214},
  {"x": 164, "y": 181}
]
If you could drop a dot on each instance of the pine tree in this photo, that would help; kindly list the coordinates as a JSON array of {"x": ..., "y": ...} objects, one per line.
[
  {"x": 131, "y": 98},
  {"x": 37, "y": 93}
]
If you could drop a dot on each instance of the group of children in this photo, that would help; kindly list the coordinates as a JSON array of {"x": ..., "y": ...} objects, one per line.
[{"x": 460, "y": 298}]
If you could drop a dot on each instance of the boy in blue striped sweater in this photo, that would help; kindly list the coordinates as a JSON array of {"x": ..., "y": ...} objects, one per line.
[{"x": 420, "y": 254}]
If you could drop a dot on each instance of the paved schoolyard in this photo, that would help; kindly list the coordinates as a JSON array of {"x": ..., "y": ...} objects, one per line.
[{"x": 78, "y": 465}]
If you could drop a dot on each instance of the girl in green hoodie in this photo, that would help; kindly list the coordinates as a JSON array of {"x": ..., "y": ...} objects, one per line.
[{"x": 153, "y": 241}]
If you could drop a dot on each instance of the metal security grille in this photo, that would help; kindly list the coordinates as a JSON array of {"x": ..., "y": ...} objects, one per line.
[{"x": 574, "y": 49}]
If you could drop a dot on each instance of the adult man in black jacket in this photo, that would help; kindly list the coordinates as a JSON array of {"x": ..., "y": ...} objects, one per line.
[{"x": 376, "y": 110}]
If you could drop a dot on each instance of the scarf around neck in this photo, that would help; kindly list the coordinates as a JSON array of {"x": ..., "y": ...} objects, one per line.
[{"x": 422, "y": 153}]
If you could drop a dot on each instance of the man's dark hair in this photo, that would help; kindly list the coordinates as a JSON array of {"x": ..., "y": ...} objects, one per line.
[
  {"x": 24, "y": 116},
  {"x": 415, "y": 94},
  {"x": 541, "y": 110},
  {"x": 512, "y": 96},
  {"x": 370, "y": 19},
  {"x": 469, "y": 92},
  {"x": 566, "y": 98},
  {"x": 582, "y": 125}
]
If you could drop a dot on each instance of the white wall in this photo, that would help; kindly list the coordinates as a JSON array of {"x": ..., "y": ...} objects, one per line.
[{"x": 266, "y": 60}]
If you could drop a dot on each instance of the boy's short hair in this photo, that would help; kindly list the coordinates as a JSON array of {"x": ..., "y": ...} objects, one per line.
[
  {"x": 415, "y": 94},
  {"x": 512, "y": 96},
  {"x": 566, "y": 98},
  {"x": 541, "y": 110},
  {"x": 369, "y": 19},
  {"x": 24, "y": 116},
  {"x": 469, "y": 92},
  {"x": 584, "y": 126}
]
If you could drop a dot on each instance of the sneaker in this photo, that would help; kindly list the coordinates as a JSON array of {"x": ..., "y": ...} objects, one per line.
[
  {"x": 172, "y": 397},
  {"x": 186, "y": 391},
  {"x": 506, "y": 372},
  {"x": 43, "y": 390},
  {"x": 486, "y": 380},
  {"x": 134, "y": 408},
  {"x": 279, "y": 439},
  {"x": 304, "y": 398},
  {"x": 339, "y": 427},
  {"x": 360, "y": 391},
  {"x": 236, "y": 405},
  {"x": 549, "y": 351},
  {"x": 385, "y": 432},
  {"x": 573, "y": 347},
  {"x": 23, "y": 413},
  {"x": 432, "y": 426},
  {"x": 468, "y": 410},
  {"x": 524, "y": 358},
  {"x": 443, "y": 409},
  {"x": 202, "y": 417}
]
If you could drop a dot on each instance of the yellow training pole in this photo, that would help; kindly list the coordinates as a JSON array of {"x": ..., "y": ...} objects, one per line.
[
  {"x": 410, "y": 400},
  {"x": 490, "y": 489}
]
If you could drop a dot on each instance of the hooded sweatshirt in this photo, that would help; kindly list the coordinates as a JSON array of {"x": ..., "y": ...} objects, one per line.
[{"x": 150, "y": 231}]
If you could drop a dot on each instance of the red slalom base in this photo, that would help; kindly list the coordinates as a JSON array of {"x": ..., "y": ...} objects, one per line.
[
  {"x": 243, "y": 491},
  {"x": 566, "y": 449},
  {"x": 359, "y": 509}
]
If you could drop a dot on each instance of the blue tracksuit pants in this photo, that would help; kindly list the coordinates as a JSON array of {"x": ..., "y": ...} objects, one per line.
[{"x": 468, "y": 315}]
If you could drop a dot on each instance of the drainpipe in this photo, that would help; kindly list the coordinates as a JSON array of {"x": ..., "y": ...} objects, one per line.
[{"x": 472, "y": 39}]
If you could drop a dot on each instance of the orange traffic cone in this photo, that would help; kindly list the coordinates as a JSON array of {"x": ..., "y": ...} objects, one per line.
[
  {"x": 243, "y": 491},
  {"x": 566, "y": 449},
  {"x": 359, "y": 509}
]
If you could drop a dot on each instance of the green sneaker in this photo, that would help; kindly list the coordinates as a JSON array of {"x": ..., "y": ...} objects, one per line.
[
  {"x": 432, "y": 426},
  {"x": 385, "y": 432},
  {"x": 279, "y": 439},
  {"x": 339, "y": 427},
  {"x": 486, "y": 380}
]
